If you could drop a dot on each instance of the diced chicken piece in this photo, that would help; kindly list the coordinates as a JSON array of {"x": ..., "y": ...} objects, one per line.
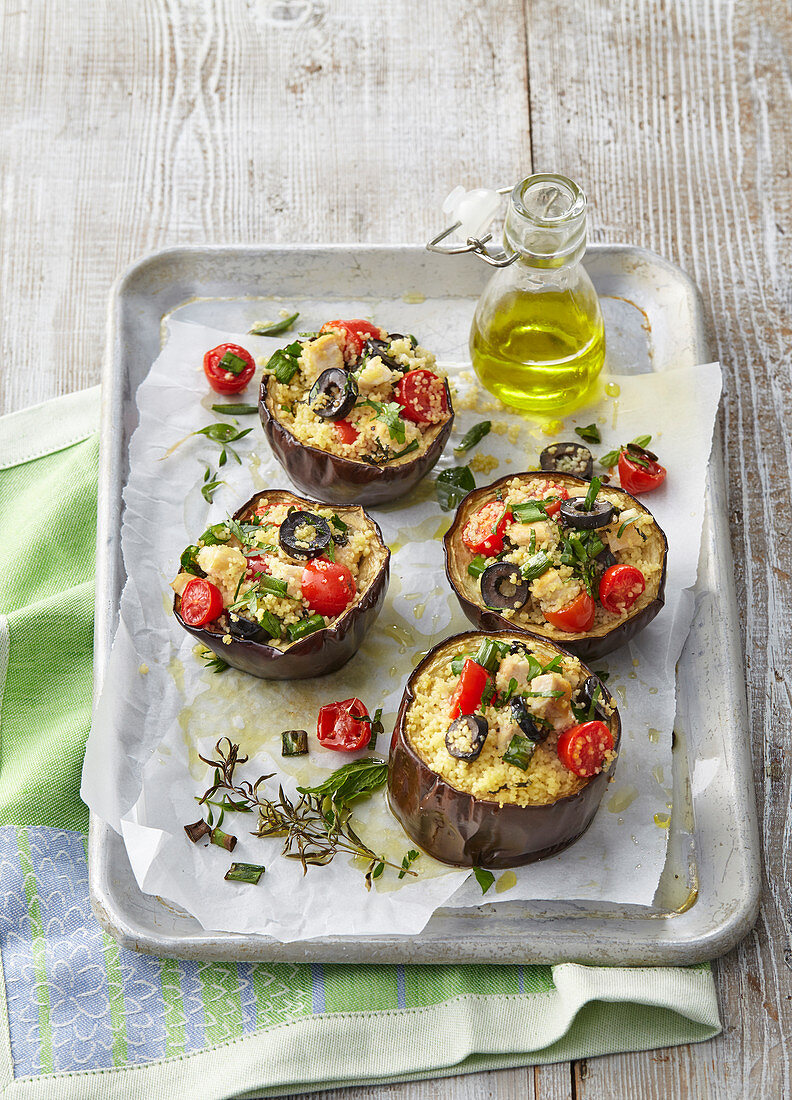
[
  {"x": 520, "y": 533},
  {"x": 552, "y": 591},
  {"x": 630, "y": 536},
  {"x": 375, "y": 375},
  {"x": 557, "y": 712},
  {"x": 180, "y": 582},
  {"x": 503, "y": 728},
  {"x": 223, "y": 565},
  {"x": 320, "y": 355},
  {"x": 292, "y": 574},
  {"x": 514, "y": 666}
]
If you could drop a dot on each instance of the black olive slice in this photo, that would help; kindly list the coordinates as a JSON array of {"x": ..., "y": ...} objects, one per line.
[
  {"x": 526, "y": 721},
  {"x": 573, "y": 513},
  {"x": 465, "y": 737},
  {"x": 376, "y": 349},
  {"x": 503, "y": 586},
  {"x": 304, "y": 535},
  {"x": 640, "y": 452},
  {"x": 248, "y": 631},
  {"x": 567, "y": 458},
  {"x": 586, "y": 694},
  {"x": 333, "y": 394}
]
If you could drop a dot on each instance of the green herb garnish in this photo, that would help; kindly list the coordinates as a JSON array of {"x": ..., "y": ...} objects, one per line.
[
  {"x": 305, "y": 627},
  {"x": 275, "y": 328},
  {"x": 485, "y": 879},
  {"x": 210, "y": 486},
  {"x": 270, "y": 623},
  {"x": 376, "y": 729},
  {"x": 354, "y": 780},
  {"x": 612, "y": 457},
  {"x": 409, "y": 858},
  {"x": 590, "y": 433},
  {"x": 244, "y": 872},
  {"x": 413, "y": 446},
  {"x": 477, "y": 566},
  {"x": 189, "y": 562},
  {"x": 339, "y": 524},
  {"x": 389, "y": 413},
  {"x": 232, "y": 363},
  {"x": 215, "y": 535},
  {"x": 490, "y": 654},
  {"x": 530, "y": 511},
  {"x": 452, "y": 485},
  {"x": 473, "y": 436},
  {"x": 211, "y": 660},
  {"x": 519, "y": 752},
  {"x": 591, "y": 495},
  {"x": 294, "y": 743},
  {"x": 536, "y": 566},
  {"x": 235, "y": 410}
]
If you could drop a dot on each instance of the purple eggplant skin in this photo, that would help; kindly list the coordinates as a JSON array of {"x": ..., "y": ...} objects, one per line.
[
  {"x": 341, "y": 480},
  {"x": 456, "y": 828},
  {"x": 325, "y": 650},
  {"x": 588, "y": 646}
]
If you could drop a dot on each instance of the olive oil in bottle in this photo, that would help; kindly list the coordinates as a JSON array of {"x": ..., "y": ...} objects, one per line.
[{"x": 537, "y": 340}]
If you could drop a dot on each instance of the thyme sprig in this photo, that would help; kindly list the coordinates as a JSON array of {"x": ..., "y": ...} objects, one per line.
[{"x": 314, "y": 828}]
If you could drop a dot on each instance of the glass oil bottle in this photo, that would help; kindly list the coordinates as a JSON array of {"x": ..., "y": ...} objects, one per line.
[{"x": 537, "y": 341}]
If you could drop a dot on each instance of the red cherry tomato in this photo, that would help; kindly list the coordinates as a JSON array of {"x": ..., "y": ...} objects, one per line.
[
  {"x": 551, "y": 509},
  {"x": 483, "y": 532},
  {"x": 467, "y": 696},
  {"x": 223, "y": 380},
  {"x": 201, "y": 602},
  {"x": 344, "y": 726},
  {"x": 619, "y": 588},
  {"x": 345, "y": 432},
  {"x": 582, "y": 748},
  {"x": 638, "y": 478},
  {"x": 256, "y": 566},
  {"x": 575, "y": 616},
  {"x": 354, "y": 333},
  {"x": 327, "y": 586},
  {"x": 422, "y": 396}
]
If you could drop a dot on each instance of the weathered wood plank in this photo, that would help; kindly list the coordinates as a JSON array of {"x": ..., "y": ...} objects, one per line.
[{"x": 674, "y": 116}]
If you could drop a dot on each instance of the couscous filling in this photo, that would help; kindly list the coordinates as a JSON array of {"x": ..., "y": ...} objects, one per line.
[
  {"x": 282, "y": 572},
  {"x": 511, "y": 721},
  {"x": 359, "y": 392}
]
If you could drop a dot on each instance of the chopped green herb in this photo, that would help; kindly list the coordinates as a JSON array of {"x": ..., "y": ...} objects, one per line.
[
  {"x": 536, "y": 566},
  {"x": 294, "y": 743},
  {"x": 490, "y": 653},
  {"x": 232, "y": 363},
  {"x": 530, "y": 511},
  {"x": 354, "y": 780},
  {"x": 216, "y": 534},
  {"x": 223, "y": 840},
  {"x": 211, "y": 660},
  {"x": 611, "y": 458},
  {"x": 591, "y": 495},
  {"x": 409, "y": 858},
  {"x": 590, "y": 433},
  {"x": 542, "y": 694},
  {"x": 305, "y": 627},
  {"x": 473, "y": 436},
  {"x": 275, "y": 328},
  {"x": 390, "y": 414},
  {"x": 477, "y": 566},
  {"x": 413, "y": 446},
  {"x": 235, "y": 410},
  {"x": 189, "y": 561},
  {"x": 244, "y": 872},
  {"x": 485, "y": 879},
  {"x": 210, "y": 486},
  {"x": 452, "y": 485},
  {"x": 458, "y": 663},
  {"x": 519, "y": 752},
  {"x": 376, "y": 729},
  {"x": 339, "y": 524},
  {"x": 270, "y": 623},
  {"x": 593, "y": 704}
]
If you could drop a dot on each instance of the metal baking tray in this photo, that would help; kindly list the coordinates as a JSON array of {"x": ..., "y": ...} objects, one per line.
[{"x": 709, "y": 892}]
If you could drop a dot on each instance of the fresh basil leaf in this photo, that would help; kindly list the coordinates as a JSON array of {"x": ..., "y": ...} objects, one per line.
[
  {"x": 590, "y": 433},
  {"x": 473, "y": 436},
  {"x": 642, "y": 440},
  {"x": 519, "y": 752},
  {"x": 452, "y": 485},
  {"x": 611, "y": 458},
  {"x": 484, "y": 878},
  {"x": 354, "y": 780}
]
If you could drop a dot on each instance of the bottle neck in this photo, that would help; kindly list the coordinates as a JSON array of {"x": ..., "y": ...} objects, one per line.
[{"x": 546, "y": 222}]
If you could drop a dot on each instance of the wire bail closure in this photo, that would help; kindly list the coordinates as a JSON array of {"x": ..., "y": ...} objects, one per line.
[{"x": 478, "y": 216}]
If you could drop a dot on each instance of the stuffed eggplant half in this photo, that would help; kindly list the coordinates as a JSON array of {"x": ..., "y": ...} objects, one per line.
[
  {"x": 580, "y": 563},
  {"x": 287, "y": 588},
  {"x": 503, "y": 747},
  {"x": 354, "y": 413}
]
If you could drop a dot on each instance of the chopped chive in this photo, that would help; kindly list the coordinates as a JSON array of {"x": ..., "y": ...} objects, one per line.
[
  {"x": 244, "y": 872},
  {"x": 406, "y": 450},
  {"x": 376, "y": 729},
  {"x": 197, "y": 830},
  {"x": 536, "y": 566},
  {"x": 223, "y": 840},
  {"x": 519, "y": 752},
  {"x": 477, "y": 566},
  {"x": 275, "y": 328},
  {"x": 233, "y": 363},
  {"x": 294, "y": 743},
  {"x": 591, "y": 495},
  {"x": 473, "y": 436},
  {"x": 235, "y": 410},
  {"x": 530, "y": 511},
  {"x": 305, "y": 627}
]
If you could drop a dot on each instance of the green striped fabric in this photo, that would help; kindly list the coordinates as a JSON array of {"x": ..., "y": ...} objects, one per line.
[{"x": 82, "y": 1017}]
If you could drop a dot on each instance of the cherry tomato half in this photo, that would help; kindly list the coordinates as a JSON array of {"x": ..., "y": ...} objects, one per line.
[
  {"x": 201, "y": 602},
  {"x": 638, "y": 478},
  {"x": 344, "y": 726},
  {"x": 619, "y": 588},
  {"x": 551, "y": 509},
  {"x": 422, "y": 395},
  {"x": 221, "y": 378},
  {"x": 256, "y": 567},
  {"x": 467, "y": 696},
  {"x": 483, "y": 532},
  {"x": 354, "y": 332},
  {"x": 345, "y": 432},
  {"x": 582, "y": 748},
  {"x": 327, "y": 586},
  {"x": 575, "y": 616}
]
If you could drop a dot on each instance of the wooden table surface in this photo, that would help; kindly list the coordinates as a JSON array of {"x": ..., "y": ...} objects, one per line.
[{"x": 138, "y": 124}]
